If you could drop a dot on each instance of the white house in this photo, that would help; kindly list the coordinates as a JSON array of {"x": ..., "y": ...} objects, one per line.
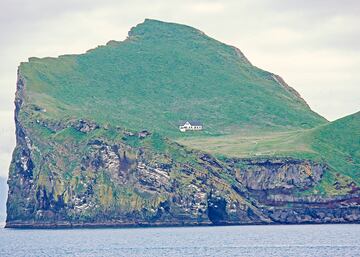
[{"x": 190, "y": 125}]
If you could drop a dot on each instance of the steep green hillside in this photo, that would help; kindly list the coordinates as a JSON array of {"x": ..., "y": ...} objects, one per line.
[
  {"x": 163, "y": 73},
  {"x": 338, "y": 143},
  {"x": 340, "y": 140}
]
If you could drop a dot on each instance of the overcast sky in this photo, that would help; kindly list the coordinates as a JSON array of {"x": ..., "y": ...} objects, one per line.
[{"x": 313, "y": 44}]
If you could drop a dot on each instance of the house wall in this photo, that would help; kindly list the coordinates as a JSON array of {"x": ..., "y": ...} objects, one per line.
[{"x": 188, "y": 126}]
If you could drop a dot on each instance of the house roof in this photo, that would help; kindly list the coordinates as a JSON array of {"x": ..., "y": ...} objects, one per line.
[{"x": 192, "y": 122}]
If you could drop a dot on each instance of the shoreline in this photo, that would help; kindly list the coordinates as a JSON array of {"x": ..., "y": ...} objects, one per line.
[{"x": 52, "y": 226}]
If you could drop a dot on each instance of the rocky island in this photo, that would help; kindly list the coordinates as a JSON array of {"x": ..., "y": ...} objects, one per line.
[{"x": 97, "y": 140}]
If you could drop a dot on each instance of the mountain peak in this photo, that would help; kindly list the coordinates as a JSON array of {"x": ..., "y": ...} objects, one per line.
[{"x": 152, "y": 27}]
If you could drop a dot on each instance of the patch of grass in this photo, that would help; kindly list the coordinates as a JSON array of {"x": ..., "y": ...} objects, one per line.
[
  {"x": 157, "y": 142},
  {"x": 133, "y": 141},
  {"x": 70, "y": 134},
  {"x": 254, "y": 144}
]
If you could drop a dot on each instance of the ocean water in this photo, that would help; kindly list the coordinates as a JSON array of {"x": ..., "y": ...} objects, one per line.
[{"x": 284, "y": 240}]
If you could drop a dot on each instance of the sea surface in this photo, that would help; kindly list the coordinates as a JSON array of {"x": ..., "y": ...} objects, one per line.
[{"x": 279, "y": 240}]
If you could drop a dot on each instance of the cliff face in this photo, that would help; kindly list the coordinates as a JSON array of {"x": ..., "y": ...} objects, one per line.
[{"x": 78, "y": 173}]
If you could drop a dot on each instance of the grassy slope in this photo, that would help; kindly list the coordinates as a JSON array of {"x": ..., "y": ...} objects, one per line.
[
  {"x": 336, "y": 143},
  {"x": 248, "y": 144},
  {"x": 161, "y": 74}
]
